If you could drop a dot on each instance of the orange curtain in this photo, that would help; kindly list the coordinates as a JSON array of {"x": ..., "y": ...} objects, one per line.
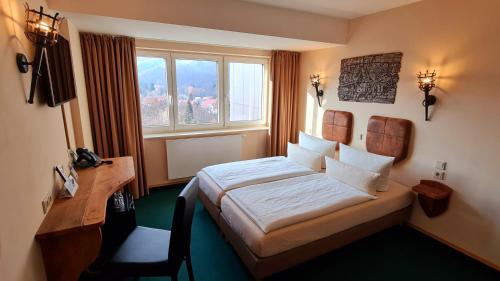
[
  {"x": 113, "y": 97},
  {"x": 285, "y": 80}
]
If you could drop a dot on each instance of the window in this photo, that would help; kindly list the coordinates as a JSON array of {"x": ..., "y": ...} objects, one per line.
[
  {"x": 199, "y": 91},
  {"x": 154, "y": 91},
  {"x": 245, "y": 90}
]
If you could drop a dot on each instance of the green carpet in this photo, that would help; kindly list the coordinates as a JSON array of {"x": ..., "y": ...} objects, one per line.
[{"x": 399, "y": 253}]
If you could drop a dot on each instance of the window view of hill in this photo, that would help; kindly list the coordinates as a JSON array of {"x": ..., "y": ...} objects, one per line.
[
  {"x": 197, "y": 100},
  {"x": 153, "y": 89},
  {"x": 196, "y": 91}
]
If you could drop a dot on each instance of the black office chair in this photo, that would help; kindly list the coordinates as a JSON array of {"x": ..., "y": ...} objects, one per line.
[{"x": 157, "y": 252}]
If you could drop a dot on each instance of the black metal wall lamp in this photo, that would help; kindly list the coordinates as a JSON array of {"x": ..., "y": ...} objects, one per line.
[
  {"x": 42, "y": 30},
  {"x": 316, "y": 82},
  {"x": 426, "y": 82}
]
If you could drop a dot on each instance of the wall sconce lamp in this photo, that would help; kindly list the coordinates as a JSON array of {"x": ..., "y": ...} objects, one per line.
[
  {"x": 426, "y": 84},
  {"x": 42, "y": 30},
  {"x": 315, "y": 82}
]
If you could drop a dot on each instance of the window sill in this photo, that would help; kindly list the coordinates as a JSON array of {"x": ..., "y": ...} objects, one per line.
[{"x": 174, "y": 135}]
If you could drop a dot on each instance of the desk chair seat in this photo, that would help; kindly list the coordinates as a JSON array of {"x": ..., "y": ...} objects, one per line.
[
  {"x": 157, "y": 252},
  {"x": 144, "y": 250}
]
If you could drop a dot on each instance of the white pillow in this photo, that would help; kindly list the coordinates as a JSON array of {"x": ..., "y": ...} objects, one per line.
[
  {"x": 368, "y": 161},
  {"x": 319, "y": 145},
  {"x": 304, "y": 157},
  {"x": 356, "y": 177}
]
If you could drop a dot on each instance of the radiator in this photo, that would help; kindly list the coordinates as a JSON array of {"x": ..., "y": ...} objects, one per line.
[{"x": 185, "y": 157}]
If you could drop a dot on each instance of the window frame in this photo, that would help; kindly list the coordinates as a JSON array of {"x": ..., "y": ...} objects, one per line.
[
  {"x": 168, "y": 69},
  {"x": 265, "y": 91},
  {"x": 220, "y": 94},
  {"x": 223, "y": 61}
]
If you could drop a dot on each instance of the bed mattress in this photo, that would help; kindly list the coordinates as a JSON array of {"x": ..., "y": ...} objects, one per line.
[
  {"x": 289, "y": 237},
  {"x": 213, "y": 191}
]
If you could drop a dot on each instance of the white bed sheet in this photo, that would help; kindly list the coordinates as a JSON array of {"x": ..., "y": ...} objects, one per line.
[
  {"x": 289, "y": 237},
  {"x": 277, "y": 204},
  {"x": 215, "y": 192},
  {"x": 238, "y": 174}
]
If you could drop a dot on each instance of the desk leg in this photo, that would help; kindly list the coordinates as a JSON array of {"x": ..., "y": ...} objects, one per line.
[{"x": 66, "y": 256}]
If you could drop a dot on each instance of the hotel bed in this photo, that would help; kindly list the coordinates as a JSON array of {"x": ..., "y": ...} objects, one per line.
[
  {"x": 266, "y": 250},
  {"x": 290, "y": 236},
  {"x": 266, "y": 253}
]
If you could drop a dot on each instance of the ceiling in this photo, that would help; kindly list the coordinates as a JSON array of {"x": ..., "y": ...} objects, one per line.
[
  {"x": 347, "y": 9},
  {"x": 189, "y": 34}
]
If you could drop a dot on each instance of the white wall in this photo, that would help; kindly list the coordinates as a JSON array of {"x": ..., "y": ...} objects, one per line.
[
  {"x": 79, "y": 106},
  {"x": 461, "y": 40},
  {"x": 32, "y": 141}
]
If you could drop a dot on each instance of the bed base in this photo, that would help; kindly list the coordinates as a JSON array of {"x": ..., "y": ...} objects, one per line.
[{"x": 261, "y": 267}]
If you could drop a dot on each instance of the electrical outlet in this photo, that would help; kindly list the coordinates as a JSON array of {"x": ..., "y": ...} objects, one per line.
[
  {"x": 47, "y": 202},
  {"x": 439, "y": 174}
]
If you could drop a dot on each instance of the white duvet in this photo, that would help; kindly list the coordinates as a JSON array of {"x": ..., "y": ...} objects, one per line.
[
  {"x": 277, "y": 204},
  {"x": 233, "y": 175}
]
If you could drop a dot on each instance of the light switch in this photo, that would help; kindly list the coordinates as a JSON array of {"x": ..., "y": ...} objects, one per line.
[{"x": 440, "y": 165}]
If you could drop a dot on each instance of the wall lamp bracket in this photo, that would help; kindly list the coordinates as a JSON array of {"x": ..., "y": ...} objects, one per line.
[
  {"x": 315, "y": 82},
  {"x": 426, "y": 82},
  {"x": 23, "y": 63}
]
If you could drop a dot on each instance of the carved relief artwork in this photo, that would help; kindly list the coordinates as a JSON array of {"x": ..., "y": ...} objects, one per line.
[{"x": 371, "y": 79}]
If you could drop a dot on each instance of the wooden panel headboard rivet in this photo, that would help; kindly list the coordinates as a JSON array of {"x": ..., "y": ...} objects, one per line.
[
  {"x": 337, "y": 126},
  {"x": 388, "y": 136}
]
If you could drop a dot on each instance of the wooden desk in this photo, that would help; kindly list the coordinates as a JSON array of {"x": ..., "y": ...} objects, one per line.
[{"x": 70, "y": 235}]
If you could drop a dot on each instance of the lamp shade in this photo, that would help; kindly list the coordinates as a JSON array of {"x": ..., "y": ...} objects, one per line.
[
  {"x": 42, "y": 28},
  {"x": 426, "y": 81},
  {"x": 315, "y": 80}
]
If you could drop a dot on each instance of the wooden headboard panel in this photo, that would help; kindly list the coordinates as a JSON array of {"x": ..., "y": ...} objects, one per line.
[
  {"x": 337, "y": 126},
  {"x": 388, "y": 136}
]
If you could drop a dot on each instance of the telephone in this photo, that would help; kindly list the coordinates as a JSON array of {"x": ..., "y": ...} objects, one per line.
[{"x": 87, "y": 158}]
